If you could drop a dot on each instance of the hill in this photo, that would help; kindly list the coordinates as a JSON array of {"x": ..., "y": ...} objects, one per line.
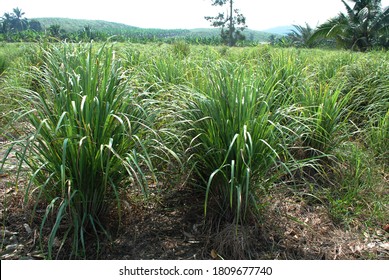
[
  {"x": 280, "y": 30},
  {"x": 74, "y": 25}
]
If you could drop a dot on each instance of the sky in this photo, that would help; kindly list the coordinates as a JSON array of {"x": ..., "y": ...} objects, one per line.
[{"x": 185, "y": 14}]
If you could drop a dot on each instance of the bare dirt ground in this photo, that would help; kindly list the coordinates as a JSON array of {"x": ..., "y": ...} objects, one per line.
[{"x": 170, "y": 226}]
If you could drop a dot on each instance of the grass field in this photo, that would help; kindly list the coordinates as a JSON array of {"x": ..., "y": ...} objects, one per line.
[{"x": 277, "y": 152}]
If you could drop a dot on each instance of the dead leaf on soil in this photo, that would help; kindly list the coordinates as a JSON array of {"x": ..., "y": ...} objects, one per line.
[
  {"x": 214, "y": 254},
  {"x": 9, "y": 190}
]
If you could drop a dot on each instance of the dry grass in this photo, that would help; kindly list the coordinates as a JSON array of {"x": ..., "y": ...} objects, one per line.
[{"x": 303, "y": 231}]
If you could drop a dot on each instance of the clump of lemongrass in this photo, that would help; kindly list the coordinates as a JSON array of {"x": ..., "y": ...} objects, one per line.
[
  {"x": 89, "y": 138},
  {"x": 237, "y": 142}
]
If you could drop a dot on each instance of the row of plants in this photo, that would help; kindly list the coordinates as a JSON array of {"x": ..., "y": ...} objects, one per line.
[
  {"x": 56, "y": 34},
  {"x": 98, "y": 120},
  {"x": 14, "y": 27}
]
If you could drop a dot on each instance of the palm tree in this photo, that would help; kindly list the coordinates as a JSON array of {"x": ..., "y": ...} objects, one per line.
[
  {"x": 362, "y": 27},
  {"x": 300, "y": 35},
  {"x": 6, "y": 23},
  {"x": 55, "y": 30},
  {"x": 18, "y": 22}
]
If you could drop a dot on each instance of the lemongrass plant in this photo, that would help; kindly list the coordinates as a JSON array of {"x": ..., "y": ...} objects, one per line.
[
  {"x": 89, "y": 136},
  {"x": 324, "y": 114},
  {"x": 367, "y": 78},
  {"x": 3, "y": 64},
  {"x": 237, "y": 144},
  {"x": 378, "y": 135}
]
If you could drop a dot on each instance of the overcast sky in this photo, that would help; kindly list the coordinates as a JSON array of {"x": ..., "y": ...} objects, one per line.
[{"x": 260, "y": 14}]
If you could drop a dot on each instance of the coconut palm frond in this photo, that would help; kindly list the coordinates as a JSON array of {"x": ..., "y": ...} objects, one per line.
[{"x": 364, "y": 26}]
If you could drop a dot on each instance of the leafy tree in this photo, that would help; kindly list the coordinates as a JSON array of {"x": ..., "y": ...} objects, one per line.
[
  {"x": 6, "y": 23},
  {"x": 86, "y": 33},
  {"x": 35, "y": 25},
  {"x": 12, "y": 24},
  {"x": 363, "y": 26},
  {"x": 232, "y": 24},
  {"x": 55, "y": 30}
]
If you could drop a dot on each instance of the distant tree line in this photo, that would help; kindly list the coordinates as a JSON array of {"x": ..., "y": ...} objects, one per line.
[
  {"x": 363, "y": 27},
  {"x": 14, "y": 23},
  {"x": 14, "y": 27}
]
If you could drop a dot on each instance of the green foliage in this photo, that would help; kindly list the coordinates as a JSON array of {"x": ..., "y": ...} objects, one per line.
[
  {"x": 239, "y": 123},
  {"x": 76, "y": 30},
  {"x": 181, "y": 49},
  {"x": 3, "y": 64},
  {"x": 358, "y": 191},
  {"x": 89, "y": 139},
  {"x": 300, "y": 36},
  {"x": 237, "y": 141},
  {"x": 164, "y": 72},
  {"x": 367, "y": 80},
  {"x": 55, "y": 30},
  {"x": 15, "y": 27},
  {"x": 378, "y": 135},
  {"x": 365, "y": 26},
  {"x": 325, "y": 115},
  {"x": 234, "y": 20}
]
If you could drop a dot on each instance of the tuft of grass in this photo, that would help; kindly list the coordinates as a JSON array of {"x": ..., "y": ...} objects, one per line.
[
  {"x": 367, "y": 79},
  {"x": 88, "y": 138},
  {"x": 358, "y": 194},
  {"x": 325, "y": 114},
  {"x": 4, "y": 64},
  {"x": 181, "y": 49},
  {"x": 378, "y": 135},
  {"x": 237, "y": 142},
  {"x": 162, "y": 72}
]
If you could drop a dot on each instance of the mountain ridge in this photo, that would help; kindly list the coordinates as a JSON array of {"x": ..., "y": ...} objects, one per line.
[
  {"x": 280, "y": 30},
  {"x": 75, "y": 25}
]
